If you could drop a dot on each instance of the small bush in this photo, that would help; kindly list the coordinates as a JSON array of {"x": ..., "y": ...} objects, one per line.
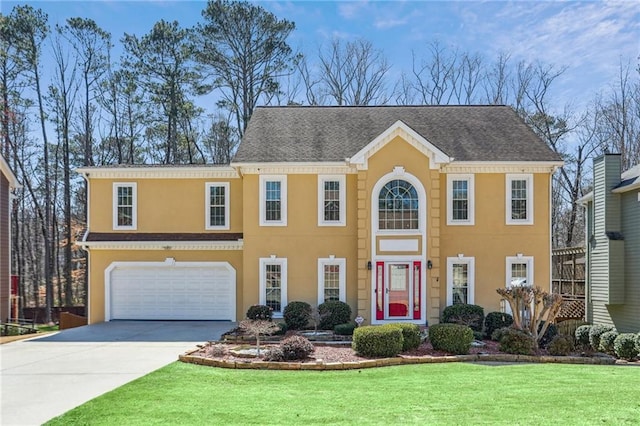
[
  {"x": 582, "y": 336},
  {"x": 606, "y": 342},
  {"x": 410, "y": 335},
  {"x": 333, "y": 313},
  {"x": 595, "y": 332},
  {"x": 638, "y": 342},
  {"x": 452, "y": 338},
  {"x": 568, "y": 328},
  {"x": 497, "y": 334},
  {"x": 345, "y": 329},
  {"x": 548, "y": 335},
  {"x": 260, "y": 312},
  {"x": 560, "y": 345},
  {"x": 297, "y": 315},
  {"x": 216, "y": 350},
  {"x": 470, "y": 315},
  {"x": 296, "y": 348},
  {"x": 377, "y": 341},
  {"x": 517, "y": 342},
  {"x": 274, "y": 354},
  {"x": 495, "y": 321},
  {"x": 625, "y": 346}
]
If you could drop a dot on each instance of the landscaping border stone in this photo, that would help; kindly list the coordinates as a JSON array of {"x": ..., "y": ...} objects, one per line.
[{"x": 386, "y": 362}]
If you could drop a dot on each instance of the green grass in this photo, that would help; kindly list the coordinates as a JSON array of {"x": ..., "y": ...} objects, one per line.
[
  {"x": 45, "y": 327},
  {"x": 454, "y": 393}
]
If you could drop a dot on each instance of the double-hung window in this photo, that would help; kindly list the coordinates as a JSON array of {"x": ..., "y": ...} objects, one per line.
[
  {"x": 460, "y": 280},
  {"x": 331, "y": 279},
  {"x": 519, "y": 193},
  {"x": 273, "y": 284},
  {"x": 460, "y": 199},
  {"x": 331, "y": 200},
  {"x": 217, "y": 205},
  {"x": 519, "y": 271},
  {"x": 124, "y": 206},
  {"x": 273, "y": 200}
]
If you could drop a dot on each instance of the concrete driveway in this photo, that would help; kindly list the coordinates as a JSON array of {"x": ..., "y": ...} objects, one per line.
[{"x": 47, "y": 376}]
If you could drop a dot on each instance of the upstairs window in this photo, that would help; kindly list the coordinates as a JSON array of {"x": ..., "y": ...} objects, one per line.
[
  {"x": 519, "y": 193},
  {"x": 460, "y": 200},
  {"x": 331, "y": 200},
  {"x": 398, "y": 206},
  {"x": 217, "y": 206},
  {"x": 124, "y": 206},
  {"x": 273, "y": 200}
]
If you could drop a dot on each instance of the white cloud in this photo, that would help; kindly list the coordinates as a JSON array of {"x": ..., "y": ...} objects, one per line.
[{"x": 383, "y": 24}]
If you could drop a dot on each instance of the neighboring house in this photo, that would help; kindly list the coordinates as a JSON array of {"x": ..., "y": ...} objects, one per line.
[
  {"x": 7, "y": 182},
  {"x": 398, "y": 211},
  {"x": 613, "y": 245}
]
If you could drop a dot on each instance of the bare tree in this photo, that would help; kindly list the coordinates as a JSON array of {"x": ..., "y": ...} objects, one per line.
[
  {"x": 617, "y": 123},
  {"x": 353, "y": 73}
]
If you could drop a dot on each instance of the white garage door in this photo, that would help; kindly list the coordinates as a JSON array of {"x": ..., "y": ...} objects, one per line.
[{"x": 171, "y": 291}]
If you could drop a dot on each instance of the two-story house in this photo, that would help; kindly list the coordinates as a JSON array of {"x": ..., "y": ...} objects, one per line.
[
  {"x": 8, "y": 182},
  {"x": 398, "y": 211},
  {"x": 613, "y": 245}
]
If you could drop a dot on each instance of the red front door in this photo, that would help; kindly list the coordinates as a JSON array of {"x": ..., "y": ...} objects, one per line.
[{"x": 398, "y": 290}]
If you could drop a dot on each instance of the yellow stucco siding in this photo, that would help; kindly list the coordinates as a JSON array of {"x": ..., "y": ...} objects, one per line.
[
  {"x": 491, "y": 240},
  {"x": 163, "y": 205},
  {"x": 302, "y": 242},
  {"x": 101, "y": 259}
]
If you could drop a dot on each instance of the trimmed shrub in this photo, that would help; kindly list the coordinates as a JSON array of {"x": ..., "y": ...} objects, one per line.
[
  {"x": 345, "y": 329},
  {"x": 377, "y": 341},
  {"x": 595, "y": 332},
  {"x": 260, "y": 312},
  {"x": 568, "y": 328},
  {"x": 470, "y": 315},
  {"x": 548, "y": 335},
  {"x": 333, "y": 313},
  {"x": 517, "y": 342},
  {"x": 297, "y": 315},
  {"x": 625, "y": 346},
  {"x": 495, "y": 321},
  {"x": 560, "y": 345},
  {"x": 296, "y": 348},
  {"x": 497, "y": 334},
  {"x": 582, "y": 336},
  {"x": 606, "y": 342},
  {"x": 638, "y": 342},
  {"x": 452, "y": 338},
  {"x": 410, "y": 335}
]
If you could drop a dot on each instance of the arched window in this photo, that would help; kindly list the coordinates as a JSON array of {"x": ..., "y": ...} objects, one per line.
[{"x": 398, "y": 206}]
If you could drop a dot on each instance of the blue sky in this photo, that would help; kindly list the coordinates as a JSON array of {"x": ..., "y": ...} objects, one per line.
[{"x": 589, "y": 38}]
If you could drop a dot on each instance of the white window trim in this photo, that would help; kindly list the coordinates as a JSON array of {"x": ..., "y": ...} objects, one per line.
[
  {"x": 341, "y": 179},
  {"x": 398, "y": 173},
  {"x": 264, "y": 261},
  {"x": 471, "y": 271},
  {"x": 342, "y": 263},
  {"x": 207, "y": 203},
  {"x": 528, "y": 177},
  {"x": 283, "y": 200},
  {"x": 470, "y": 200},
  {"x": 134, "y": 213},
  {"x": 519, "y": 259}
]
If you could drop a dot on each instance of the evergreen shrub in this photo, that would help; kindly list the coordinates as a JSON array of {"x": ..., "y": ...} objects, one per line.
[
  {"x": 452, "y": 338},
  {"x": 464, "y": 314},
  {"x": 377, "y": 340},
  {"x": 297, "y": 315}
]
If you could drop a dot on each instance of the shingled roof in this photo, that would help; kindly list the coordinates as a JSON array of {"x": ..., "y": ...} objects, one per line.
[{"x": 319, "y": 134}]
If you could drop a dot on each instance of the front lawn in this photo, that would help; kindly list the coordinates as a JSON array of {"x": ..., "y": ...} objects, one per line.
[{"x": 450, "y": 393}]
